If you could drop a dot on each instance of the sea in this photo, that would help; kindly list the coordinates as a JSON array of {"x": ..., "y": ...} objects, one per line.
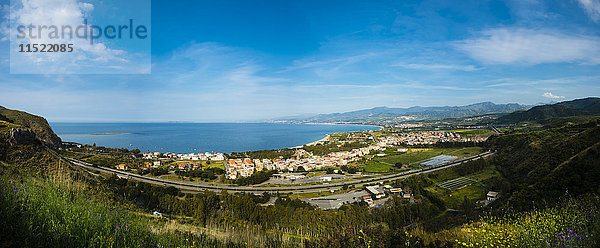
[{"x": 198, "y": 137}]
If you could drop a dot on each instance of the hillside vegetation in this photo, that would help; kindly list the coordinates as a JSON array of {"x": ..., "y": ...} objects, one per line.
[
  {"x": 578, "y": 107},
  {"x": 37, "y": 124},
  {"x": 544, "y": 165},
  {"x": 548, "y": 179}
]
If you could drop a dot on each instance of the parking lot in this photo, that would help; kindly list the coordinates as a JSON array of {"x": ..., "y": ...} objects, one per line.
[
  {"x": 336, "y": 201},
  {"x": 291, "y": 178}
]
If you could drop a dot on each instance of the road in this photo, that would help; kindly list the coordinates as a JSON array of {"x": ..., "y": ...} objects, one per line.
[{"x": 196, "y": 187}]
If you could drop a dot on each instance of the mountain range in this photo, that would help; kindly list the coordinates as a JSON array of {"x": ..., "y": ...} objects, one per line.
[{"x": 413, "y": 113}]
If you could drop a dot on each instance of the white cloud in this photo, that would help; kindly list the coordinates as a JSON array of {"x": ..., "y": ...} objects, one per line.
[
  {"x": 334, "y": 63},
  {"x": 86, "y": 57},
  {"x": 439, "y": 67},
  {"x": 86, "y": 7},
  {"x": 62, "y": 13},
  {"x": 530, "y": 47},
  {"x": 552, "y": 96},
  {"x": 592, "y": 8}
]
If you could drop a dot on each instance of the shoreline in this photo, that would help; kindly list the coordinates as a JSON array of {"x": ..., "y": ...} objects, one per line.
[
  {"x": 327, "y": 136},
  {"x": 73, "y": 134}
]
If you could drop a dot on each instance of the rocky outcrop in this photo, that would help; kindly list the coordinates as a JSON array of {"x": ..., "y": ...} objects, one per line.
[
  {"x": 34, "y": 123},
  {"x": 21, "y": 136}
]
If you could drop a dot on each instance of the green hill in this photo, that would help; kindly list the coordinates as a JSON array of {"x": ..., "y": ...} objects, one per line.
[
  {"x": 544, "y": 165},
  {"x": 535, "y": 169},
  {"x": 27, "y": 142},
  {"x": 37, "y": 124},
  {"x": 579, "y": 107}
]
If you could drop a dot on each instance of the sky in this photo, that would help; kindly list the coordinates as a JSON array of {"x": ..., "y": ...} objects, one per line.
[{"x": 231, "y": 61}]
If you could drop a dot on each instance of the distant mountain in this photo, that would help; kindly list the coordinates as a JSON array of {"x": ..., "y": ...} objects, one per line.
[
  {"x": 417, "y": 112},
  {"x": 578, "y": 107}
]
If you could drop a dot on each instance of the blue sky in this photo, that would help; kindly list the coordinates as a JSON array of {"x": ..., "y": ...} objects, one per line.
[{"x": 216, "y": 61}]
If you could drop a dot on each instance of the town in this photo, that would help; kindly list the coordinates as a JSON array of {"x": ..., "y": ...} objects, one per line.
[{"x": 303, "y": 160}]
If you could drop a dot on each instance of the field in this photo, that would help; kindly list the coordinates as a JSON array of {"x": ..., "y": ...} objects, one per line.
[
  {"x": 203, "y": 164},
  {"x": 308, "y": 195},
  {"x": 414, "y": 156},
  {"x": 455, "y": 184},
  {"x": 315, "y": 173},
  {"x": 474, "y": 191},
  {"x": 470, "y": 133}
]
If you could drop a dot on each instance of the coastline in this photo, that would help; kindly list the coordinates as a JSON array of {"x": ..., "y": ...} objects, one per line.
[
  {"x": 72, "y": 134},
  {"x": 325, "y": 138}
]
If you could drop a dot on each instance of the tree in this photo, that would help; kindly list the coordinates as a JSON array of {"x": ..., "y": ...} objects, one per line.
[{"x": 467, "y": 205}]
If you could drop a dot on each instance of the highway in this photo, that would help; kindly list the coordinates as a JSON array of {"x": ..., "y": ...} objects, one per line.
[{"x": 198, "y": 187}]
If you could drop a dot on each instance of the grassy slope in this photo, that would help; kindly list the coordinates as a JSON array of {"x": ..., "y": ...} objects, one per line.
[
  {"x": 578, "y": 107},
  {"x": 571, "y": 223},
  {"x": 63, "y": 213},
  {"x": 541, "y": 166},
  {"x": 545, "y": 164}
]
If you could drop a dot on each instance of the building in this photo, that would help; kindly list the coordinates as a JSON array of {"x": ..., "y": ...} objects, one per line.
[
  {"x": 373, "y": 191},
  {"x": 122, "y": 167},
  {"x": 492, "y": 196},
  {"x": 326, "y": 179}
]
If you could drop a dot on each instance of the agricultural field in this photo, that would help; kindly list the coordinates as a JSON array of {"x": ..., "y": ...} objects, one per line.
[
  {"x": 475, "y": 190},
  {"x": 413, "y": 157},
  {"x": 315, "y": 173},
  {"x": 203, "y": 164},
  {"x": 470, "y": 133},
  {"x": 457, "y": 183}
]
